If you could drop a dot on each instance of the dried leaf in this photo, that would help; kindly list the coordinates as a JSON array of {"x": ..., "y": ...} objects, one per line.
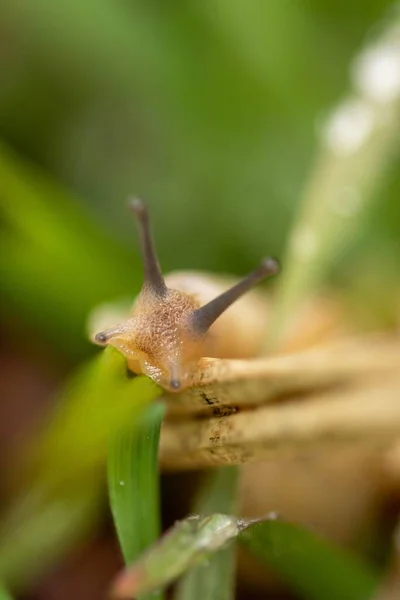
[
  {"x": 347, "y": 398},
  {"x": 225, "y": 385}
]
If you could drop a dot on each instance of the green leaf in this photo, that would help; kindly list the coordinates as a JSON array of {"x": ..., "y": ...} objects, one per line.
[
  {"x": 315, "y": 569},
  {"x": 62, "y": 468},
  {"x": 4, "y": 595},
  {"x": 186, "y": 544},
  {"x": 133, "y": 483},
  {"x": 55, "y": 263},
  {"x": 214, "y": 580},
  {"x": 41, "y": 525},
  {"x": 357, "y": 146},
  {"x": 100, "y": 401}
]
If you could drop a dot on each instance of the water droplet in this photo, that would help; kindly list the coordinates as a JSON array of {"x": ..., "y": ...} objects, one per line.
[
  {"x": 121, "y": 482},
  {"x": 376, "y": 73},
  {"x": 304, "y": 244},
  {"x": 273, "y": 515},
  {"x": 349, "y": 127}
]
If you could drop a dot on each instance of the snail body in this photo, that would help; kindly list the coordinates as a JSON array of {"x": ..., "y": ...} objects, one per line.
[{"x": 177, "y": 320}]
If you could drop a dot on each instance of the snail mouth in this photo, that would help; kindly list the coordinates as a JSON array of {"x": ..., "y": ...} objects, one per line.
[
  {"x": 175, "y": 385},
  {"x": 175, "y": 377}
]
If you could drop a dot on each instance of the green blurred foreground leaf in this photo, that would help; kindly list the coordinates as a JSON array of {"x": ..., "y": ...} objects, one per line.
[
  {"x": 214, "y": 579},
  {"x": 100, "y": 402},
  {"x": 41, "y": 526},
  {"x": 133, "y": 483},
  {"x": 55, "y": 263},
  {"x": 311, "y": 566},
  {"x": 4, "y": 595},
  {"x": 59, "y": 498}
]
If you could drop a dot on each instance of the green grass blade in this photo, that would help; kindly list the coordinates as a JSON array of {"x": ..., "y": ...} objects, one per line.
[
  {"x": 215, "y": 579},
  {"x": 63, "y": 466},
  {"x": 41, "y": 526},
  {"x": 133, "y": 483},
  {"x": 358, "y": 144},
  {"x": 100, "y": 402},
  {"x": 186, "y": 544},
  {"x": 55, "y": 263},
  {"x": 4, "y": 595},
  {"x": 315, "y": 569}
]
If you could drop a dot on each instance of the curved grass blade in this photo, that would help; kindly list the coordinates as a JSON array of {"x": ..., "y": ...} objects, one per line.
[
  {"x": 214, "y": 579},
  {"x": 358, "y": 143},
  {"x": 100, "y": 402},
  {"x": 54, "y": 260},
  {"x": 315, "y": 569},
  {"x": 185, "y": 545},
  {"x": 59, "y": 476},
  {"x": 133, "y": 484}
]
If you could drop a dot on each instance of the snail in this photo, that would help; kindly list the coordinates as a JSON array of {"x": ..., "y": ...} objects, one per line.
[{"x": 185, "y": 316}]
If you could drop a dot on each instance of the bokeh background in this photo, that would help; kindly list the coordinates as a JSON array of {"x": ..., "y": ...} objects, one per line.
[{"x": 209, "y": 110}]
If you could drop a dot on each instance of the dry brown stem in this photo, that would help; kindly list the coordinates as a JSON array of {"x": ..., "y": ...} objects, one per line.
[{"x": 344, "y": 393}]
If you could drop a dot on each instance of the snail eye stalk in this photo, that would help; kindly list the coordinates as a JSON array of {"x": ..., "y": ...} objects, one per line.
[
  {"x": 202, "y": 318},
  {"x": 153, "y": 277}
]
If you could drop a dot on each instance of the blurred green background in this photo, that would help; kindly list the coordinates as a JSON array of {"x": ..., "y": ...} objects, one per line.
[{"x": 209, "y": 110}]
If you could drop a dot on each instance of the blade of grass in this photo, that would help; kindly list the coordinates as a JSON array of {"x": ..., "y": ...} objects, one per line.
[
  {"x": 41, "y": 526},
  {"x": 4, "y": 595},
  {"x": 215, "y": 579},
  {"x": 315, "y": 569},
  {"x": 99, "y": 402},
  {"x": 186, "y": 544},
  {"x": 59, "y": 474},
  {"x": 358, "y": 143},
  {"x": 133, "y": 484},
  {"x": 49, "y": 250}
]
